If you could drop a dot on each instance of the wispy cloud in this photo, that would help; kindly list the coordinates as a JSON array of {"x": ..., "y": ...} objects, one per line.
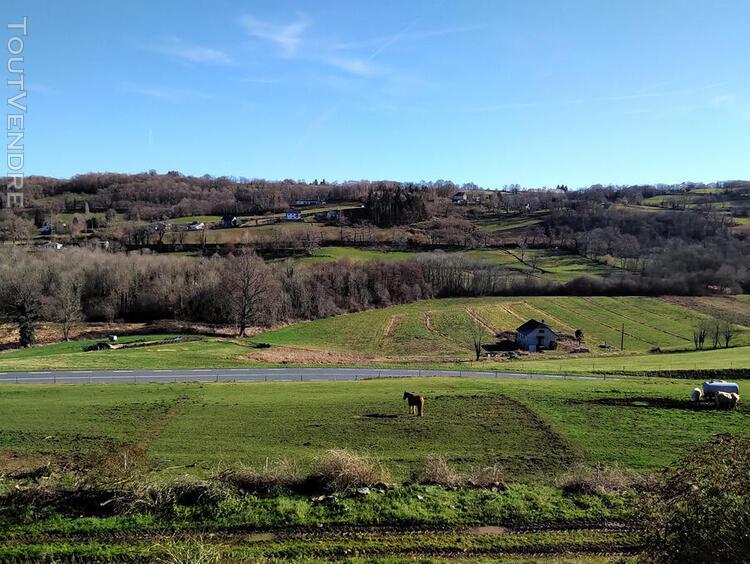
[
  {"x": 286, "y": 37},
  {"x": 293, "y": 41},
  {"x": 406, "y": 36},
  {"x": 168, "y": 93},
  {"x": 199, "y": 54}
]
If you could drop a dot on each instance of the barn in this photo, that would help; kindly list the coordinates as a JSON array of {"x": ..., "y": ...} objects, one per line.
[{"x": 535, "y": 335}]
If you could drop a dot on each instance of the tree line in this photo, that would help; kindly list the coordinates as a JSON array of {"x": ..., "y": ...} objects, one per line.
[{"x": 242, "y": 290}]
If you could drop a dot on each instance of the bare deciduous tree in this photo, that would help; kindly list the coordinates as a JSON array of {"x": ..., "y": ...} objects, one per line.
[
  {"x": 476, "y": 333},
  {"x": 728, "y": 331},
  {"x": 66, "y": 300},
  {"x": 21, "y": 298},
  {"x": 250, "y": 286},
  {"x": 699, "y": 334}
]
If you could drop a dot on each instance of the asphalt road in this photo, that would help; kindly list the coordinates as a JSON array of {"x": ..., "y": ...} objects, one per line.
[{"x": 249, "y": 375}]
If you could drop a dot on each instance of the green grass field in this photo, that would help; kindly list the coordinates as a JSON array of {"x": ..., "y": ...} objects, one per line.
[
  {"x": 550, "y": 264},
  {"x": 422, "y": 330},
  {"x": 533, "y": 429},
  {"x": 199, "y": 218},
  {"x": 437, "y": 333},
  {"x": 510, "y": 223},
  {"x": 335, "y": 253}
]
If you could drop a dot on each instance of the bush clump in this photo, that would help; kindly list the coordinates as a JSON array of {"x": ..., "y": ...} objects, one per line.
[
  {"x": 597, "y": 480},
  {"x": 700, "y": 509},
  {"x": 281, "y": 474},
  {"x": 436, "y": 471},
  {"x": 189, "y": 493},
  {"x": 341, "y": 470}
]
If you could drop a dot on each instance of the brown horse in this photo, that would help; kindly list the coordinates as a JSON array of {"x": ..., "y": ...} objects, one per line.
[{"x": 416, "y": 403}]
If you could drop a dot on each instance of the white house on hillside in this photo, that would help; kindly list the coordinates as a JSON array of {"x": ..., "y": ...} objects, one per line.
[{"x": 534, "y": 336}]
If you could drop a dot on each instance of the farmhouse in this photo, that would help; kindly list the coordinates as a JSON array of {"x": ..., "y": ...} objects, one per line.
[
  {"x": 228, "y": 221},
  {"x": 293, "y": 215},
  {"x": 459, "y": 198},
  {"x": 535, "y": 335},
  {"x": 302, "y": 203}
]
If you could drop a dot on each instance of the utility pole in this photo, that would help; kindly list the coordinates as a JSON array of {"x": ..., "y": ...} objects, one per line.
[{"x": 622, "y": 338}]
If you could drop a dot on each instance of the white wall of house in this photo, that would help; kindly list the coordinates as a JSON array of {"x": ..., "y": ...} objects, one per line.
[{"x": 535, "y": 339}]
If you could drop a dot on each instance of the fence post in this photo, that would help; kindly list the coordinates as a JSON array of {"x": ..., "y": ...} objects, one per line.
[{"x": 54, "y": 378}]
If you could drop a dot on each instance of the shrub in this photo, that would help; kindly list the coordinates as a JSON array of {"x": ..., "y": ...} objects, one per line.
[
  {"x": 281, "y": 474},
  {"x": 340, "y": 470},
  {"x": 700, "y": 509},
  {"x": 595, "y": 480},
  {"x": 437, "y": 471},
  {"x": 487, "y": 477},
  {"x": 188, "y": 492}
]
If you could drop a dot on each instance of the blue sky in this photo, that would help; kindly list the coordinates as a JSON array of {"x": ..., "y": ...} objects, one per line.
[{"x": 495, "y": 92}]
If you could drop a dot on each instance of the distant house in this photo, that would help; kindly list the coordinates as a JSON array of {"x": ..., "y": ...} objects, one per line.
[
  {"x": 228, "y": 221},
  {"x": 197, "y": 226},
  {"x": 303, "y": 203},
  {"x": 53, "y": 246},
  {"x": 534, "y": 336},
  {"x": 459, "y": 198},
  {"x": 330, "y": 215},
  {"x": 293, "y": 215}
]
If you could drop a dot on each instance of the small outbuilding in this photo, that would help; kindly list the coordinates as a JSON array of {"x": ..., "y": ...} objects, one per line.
[
  {"x": 459, "y": 198},
  {"x": 293, "y": 215},
  {"x": 534, "y": 336},
  {"x": 228, "y": 221}
]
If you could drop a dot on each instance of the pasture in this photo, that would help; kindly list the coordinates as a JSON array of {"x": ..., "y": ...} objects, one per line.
[
  {"x": 533, "y": 430},
  {"x": 438, "y": 333},
  {"x": 549, "y": 264},
  {"x": 440, "y": 329}
]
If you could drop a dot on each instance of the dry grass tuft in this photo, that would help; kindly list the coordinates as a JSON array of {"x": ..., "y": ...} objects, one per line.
[
  {"x": 340, "y": 470},
  {"x": 436, "y": 471},
  {"x": 188, "y": 492},
  {"x": 281, "y": 474},
  {"x": 595, "y": 480},
  {"x": 487, "y": 477}
]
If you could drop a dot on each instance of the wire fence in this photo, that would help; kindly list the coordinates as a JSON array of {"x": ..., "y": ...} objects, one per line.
[{"x": 271, "y": 375}]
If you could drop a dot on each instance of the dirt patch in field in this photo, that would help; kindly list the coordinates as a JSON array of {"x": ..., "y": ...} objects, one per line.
[
  {"x": 287, "y": 355},
  {"x": 726, "y": 308},
  {"x": 392, "y": 322},
  {"x": 47, "y": 333},
  {"x": 21, "y": 465},
  {"x": 488, "y": 531}
]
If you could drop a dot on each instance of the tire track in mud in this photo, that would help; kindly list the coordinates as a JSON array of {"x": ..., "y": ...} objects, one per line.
[{"x": 478, "y": 319}]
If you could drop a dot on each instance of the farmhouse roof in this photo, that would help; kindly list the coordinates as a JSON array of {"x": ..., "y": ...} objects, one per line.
[{"x": 531, "y": 325}]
